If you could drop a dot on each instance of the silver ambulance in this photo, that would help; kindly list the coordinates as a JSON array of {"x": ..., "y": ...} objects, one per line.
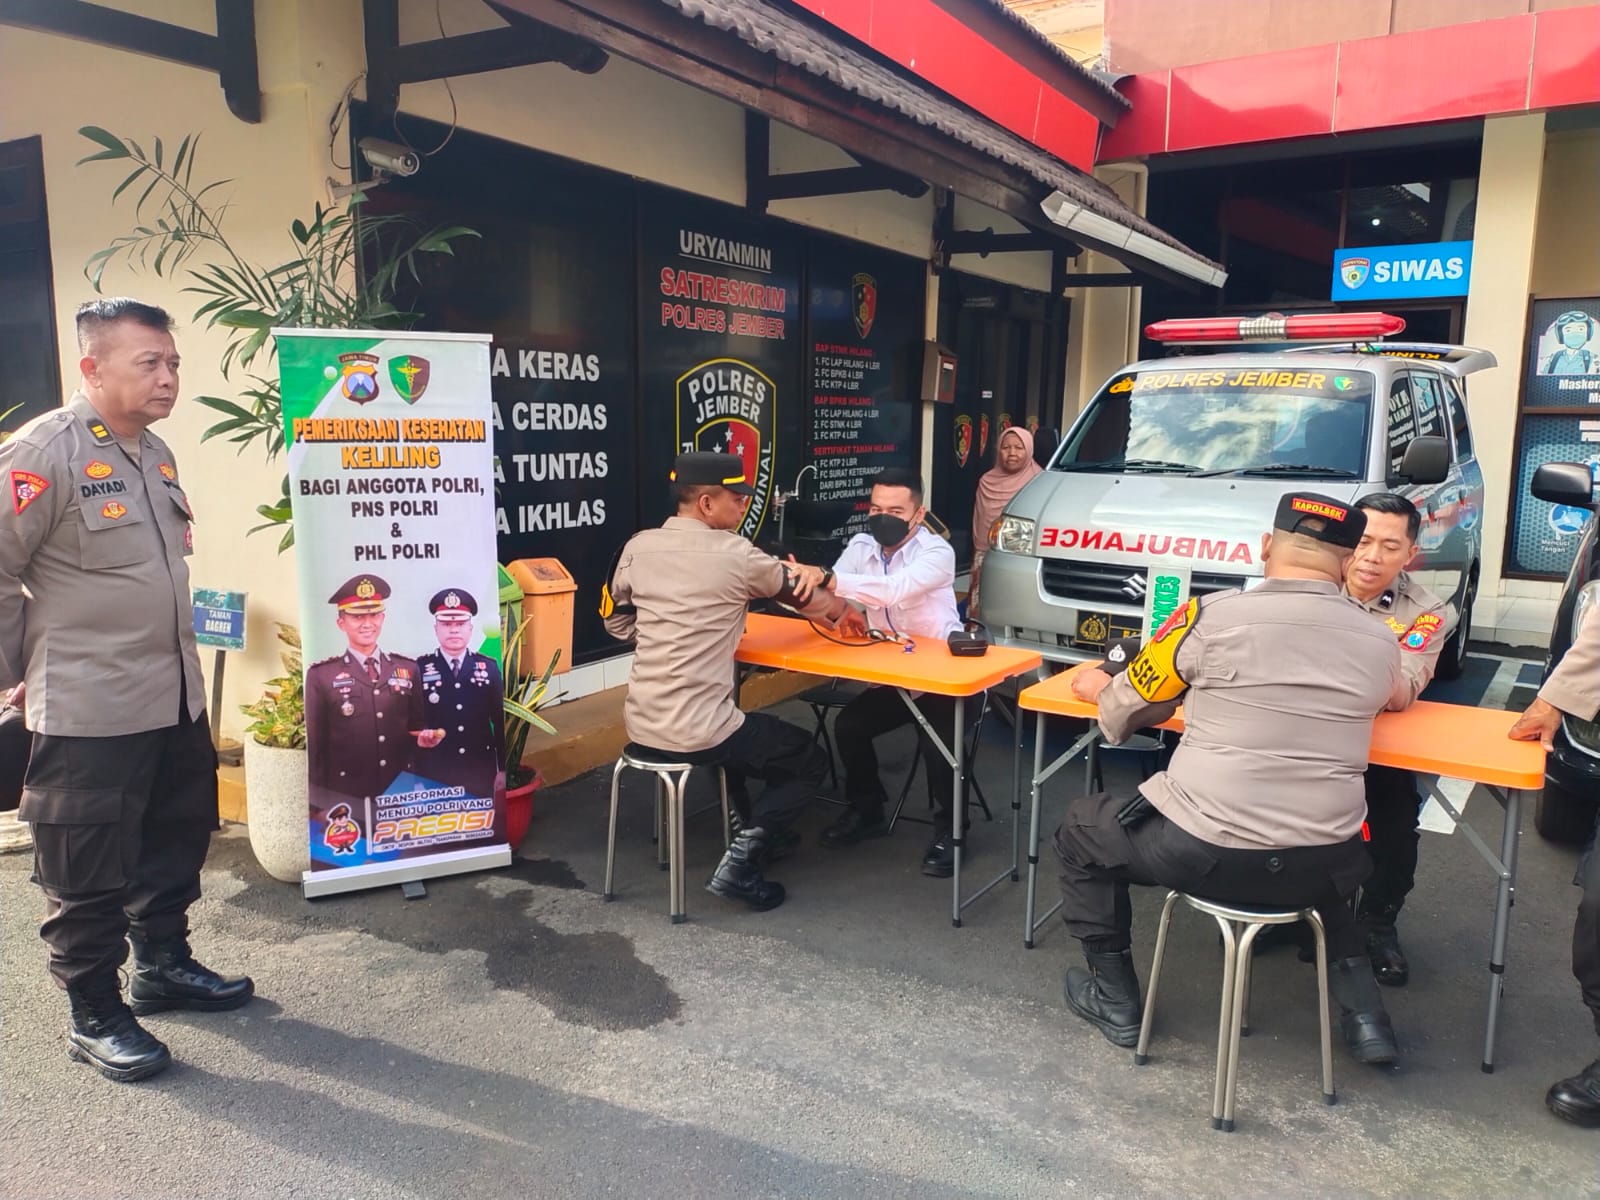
[{"x": 1165, "y": 483}]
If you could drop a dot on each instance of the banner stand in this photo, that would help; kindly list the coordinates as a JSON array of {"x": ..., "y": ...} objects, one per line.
[{"x": 315, "y": 884}]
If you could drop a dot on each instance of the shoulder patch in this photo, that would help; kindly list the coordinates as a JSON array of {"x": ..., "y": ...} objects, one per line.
[
  {"x": 1416, "y": 638},
  {"x": 1154, "y": 671},
  {"x": 26, "y": 487}
]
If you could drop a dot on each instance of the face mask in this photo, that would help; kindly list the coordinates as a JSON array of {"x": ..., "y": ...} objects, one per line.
[{"x": 888, "y": 530}]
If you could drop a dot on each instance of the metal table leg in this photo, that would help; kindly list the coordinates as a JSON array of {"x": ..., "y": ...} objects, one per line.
[
  {"x": 958, "y": 810},
  {"x": 1511, "y": 832},
  {"x": 1041, "y": 774}
]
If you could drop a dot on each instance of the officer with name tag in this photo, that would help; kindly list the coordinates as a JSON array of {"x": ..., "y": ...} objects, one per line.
[
  {"x": 1262, "y": 802},
  {"x": 365, "y": 715},
  {"x": 461, "y": 694},
  {"x": 96, "y": 636}
]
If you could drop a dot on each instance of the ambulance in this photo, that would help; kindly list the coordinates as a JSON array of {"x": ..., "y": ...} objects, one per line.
[{"x": 1166, "y": 481}]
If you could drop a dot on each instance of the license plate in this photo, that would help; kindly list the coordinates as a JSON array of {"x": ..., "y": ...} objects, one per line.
[{"x": 1097, "y": 629}]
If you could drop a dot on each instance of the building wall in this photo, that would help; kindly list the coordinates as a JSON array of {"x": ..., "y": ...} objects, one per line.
[
  {"x": 625, "y": 118},
  {"x": 1153, "y": 35},
  {"x": 1566, "y": 258}
]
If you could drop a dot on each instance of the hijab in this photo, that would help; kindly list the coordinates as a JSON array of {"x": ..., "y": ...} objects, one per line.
[{"x": 997, "y": 486}]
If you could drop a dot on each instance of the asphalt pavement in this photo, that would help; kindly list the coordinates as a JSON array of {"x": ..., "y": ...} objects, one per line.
[{"x": 513, "y": 1035}]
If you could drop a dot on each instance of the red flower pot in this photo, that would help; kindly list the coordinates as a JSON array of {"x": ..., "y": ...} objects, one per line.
[{"x": 519, "y": 809}]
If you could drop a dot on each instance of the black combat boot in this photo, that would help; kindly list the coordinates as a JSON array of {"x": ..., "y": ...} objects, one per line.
[
  {"x": 1577, "y": 1098},
  {"x": 738, "y": 875},
  {"x": 781, "y": 845},
  {"x": 1365, "y": 1022},
  {"x": 105, "y": 1035},
  {"x": 1389, "y": 963},
  {"x": 1107, "y": 995},
  {"x": 166, "y": 975}
]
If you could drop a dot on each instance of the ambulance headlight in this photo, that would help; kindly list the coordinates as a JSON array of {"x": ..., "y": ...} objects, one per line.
[{"x": 1013, "y": 535}]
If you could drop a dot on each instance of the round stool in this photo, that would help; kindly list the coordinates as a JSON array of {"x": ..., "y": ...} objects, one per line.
[
  {"x": 1239, "y": 925},
  {"x": 672, "y": 776}
]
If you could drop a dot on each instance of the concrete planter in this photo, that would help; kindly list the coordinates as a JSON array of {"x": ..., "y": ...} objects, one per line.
[{"x": 279, "y": 817}]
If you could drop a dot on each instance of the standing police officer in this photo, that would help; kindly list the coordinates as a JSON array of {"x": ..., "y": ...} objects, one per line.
[
  {"x": 1262, "y": 803},
  {"x": 363, "y": 709},
  {"x": 680, "y": 594},
  {"x": 1417, "y": 618},
  {"x": 121, "y": 788},
  {"x": 461, "y": 694}
]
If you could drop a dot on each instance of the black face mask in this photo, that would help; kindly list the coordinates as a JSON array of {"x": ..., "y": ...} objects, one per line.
[{"x": 887, "y": 529}]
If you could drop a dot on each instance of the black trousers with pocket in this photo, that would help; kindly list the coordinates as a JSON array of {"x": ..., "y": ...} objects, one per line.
[
  {"x": 781, "y": 755},
  {"x": 1393, "y": 805},
  {"x": 121, "y": 826},
  {"x": 1586, "y": 927},
  {"x": 1100, "y": 858}
]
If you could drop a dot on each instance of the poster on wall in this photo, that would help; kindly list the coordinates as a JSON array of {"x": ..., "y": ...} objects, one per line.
[
  {"x": 1544, "y": 536},
  {"x": 389, "y": 442},
  {"x": 719, "y": 339},
  {"x": 1563, "y": 368},
  {"x": 865, "y": 318}
]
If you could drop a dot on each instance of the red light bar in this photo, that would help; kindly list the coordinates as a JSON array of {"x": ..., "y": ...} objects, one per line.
[{"x": 1275, "y": 327}]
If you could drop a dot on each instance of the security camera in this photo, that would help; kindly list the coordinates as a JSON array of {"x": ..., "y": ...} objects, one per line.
[{"x": 389, "y": 157}]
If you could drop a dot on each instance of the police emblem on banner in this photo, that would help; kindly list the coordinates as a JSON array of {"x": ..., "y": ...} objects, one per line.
[
  {"x": 1354, "y": 271},
  {"x": 864, "y": 302},
  {"x": 409, "y": 374},
  {"x": 726, "y": 406},
  {"x": 358, "y": 377},
  {"x": 963, "y": 432}
]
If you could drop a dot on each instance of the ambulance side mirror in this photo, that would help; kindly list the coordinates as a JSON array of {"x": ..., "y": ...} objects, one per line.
[
  {"x": 1564, "y": 483},
  {"x": 1427, "y": 460}
]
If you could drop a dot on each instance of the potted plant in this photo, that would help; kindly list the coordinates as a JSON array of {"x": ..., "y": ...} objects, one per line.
[
  {"x": 275, "y": 774},
  {"x": 525, "y": 695}
]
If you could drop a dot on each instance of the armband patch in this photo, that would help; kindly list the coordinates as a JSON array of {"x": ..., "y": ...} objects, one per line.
[
  {"x": 1154, "y": 671},
  {"x": 608, "y": 603},
  {"x": 1416, "y": 638}
]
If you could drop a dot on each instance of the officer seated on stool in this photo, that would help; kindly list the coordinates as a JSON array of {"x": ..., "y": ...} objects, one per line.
[
  {"x": 680, "y": 594},
  {"x": 905, "y": 575},
  {"x": 1262, "y": 802}
]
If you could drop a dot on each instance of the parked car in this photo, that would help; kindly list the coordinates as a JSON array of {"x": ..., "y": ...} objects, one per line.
[
  {"x": 1564, "y": 811},
  {"x": 1171, "y": 474}
]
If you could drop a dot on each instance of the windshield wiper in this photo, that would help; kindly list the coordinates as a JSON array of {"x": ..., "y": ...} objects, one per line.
[
  {"x": 1309, "y": 469},
  {"x": 1129, "y": 464}
]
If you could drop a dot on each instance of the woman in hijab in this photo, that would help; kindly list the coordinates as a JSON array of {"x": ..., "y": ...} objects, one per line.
[{"x": 1014, "y": 466}]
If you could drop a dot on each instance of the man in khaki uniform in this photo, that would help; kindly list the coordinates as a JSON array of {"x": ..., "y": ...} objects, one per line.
[
  {"x": 680, "y": 594},
  {"x": 95, "y": 624},
  {"x": 1574, "y": 687},
  {"x": 1263, "y": 801},
  {"x": 1419, "y": 620}
]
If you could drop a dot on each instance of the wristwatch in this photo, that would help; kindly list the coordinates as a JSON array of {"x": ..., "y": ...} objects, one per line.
[{"x": 827, "y": 576}]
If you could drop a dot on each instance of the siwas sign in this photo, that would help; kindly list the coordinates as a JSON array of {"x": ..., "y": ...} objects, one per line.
[{"x": 1397, "y": 272}]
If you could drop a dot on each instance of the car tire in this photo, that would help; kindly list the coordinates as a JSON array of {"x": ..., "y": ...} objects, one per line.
[
  {"x": 1563, "y": 816},
  {"x": 1453, "y": 661}
]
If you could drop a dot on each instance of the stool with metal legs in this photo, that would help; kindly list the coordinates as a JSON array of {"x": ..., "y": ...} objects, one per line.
[
  {"x": 672, "y": 776},
  {"x": 1239, "y": 924}
]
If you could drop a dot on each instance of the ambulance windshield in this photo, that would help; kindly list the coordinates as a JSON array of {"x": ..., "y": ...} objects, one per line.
[{"x": 1230, "y": 421}]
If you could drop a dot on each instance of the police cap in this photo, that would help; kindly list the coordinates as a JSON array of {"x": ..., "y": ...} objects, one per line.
[
  {"x": 361, "y": 594},
  {"x": 1332, "y": 521},
  {"x": 712, "y": 470},
  {"x": 453, "y": 604}
]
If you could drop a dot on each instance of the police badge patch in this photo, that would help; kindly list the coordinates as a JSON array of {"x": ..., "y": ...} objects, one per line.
[
  {"x": 359, "y": 377},
  {"x": 26, "y": 487}
]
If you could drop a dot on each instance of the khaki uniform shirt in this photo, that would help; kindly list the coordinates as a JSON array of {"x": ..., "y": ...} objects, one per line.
[
  {"x": 95, "y": 611},
  {"x": 1574, "y": 686},
  {"x": 1280, "y": 688},
  {"x": 1420, "y": 621},
  {"x": 688, "y": 585}
]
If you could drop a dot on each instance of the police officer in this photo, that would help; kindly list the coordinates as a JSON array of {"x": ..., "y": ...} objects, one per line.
[
  {"x": 680, "y": 594},
  {"x": 1574, "y": 687},
  {"x": 461, "y": 694},
  {"x": 121, "y": 786},
  {"x": 1262, "y": 802},
  {"x": 364, "y": 709},
  {"x": 1417, "y": 618}
]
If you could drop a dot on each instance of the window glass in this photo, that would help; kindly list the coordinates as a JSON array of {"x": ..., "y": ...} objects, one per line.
[
  {"x": 1402, "y": 422},
  {"x": 1429, "y": 403},
  {"x": 1458, "y": 418}
]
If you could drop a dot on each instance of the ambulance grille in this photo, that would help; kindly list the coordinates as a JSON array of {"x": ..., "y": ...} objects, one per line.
[{"x": 1099, "y": 584}]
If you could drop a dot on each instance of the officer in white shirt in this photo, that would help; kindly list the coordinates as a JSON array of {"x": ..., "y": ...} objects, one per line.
[{"x": 904, "y": 576}]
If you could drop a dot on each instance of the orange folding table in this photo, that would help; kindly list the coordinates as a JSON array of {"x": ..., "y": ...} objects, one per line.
[
  {"x": 788, "y": 644},
  {"x": 1449, "y": 740}
]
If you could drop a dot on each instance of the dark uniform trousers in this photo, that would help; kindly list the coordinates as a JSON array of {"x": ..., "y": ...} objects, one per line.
[
  {"x": 1100, "y": 857},
  {"x": 875, "y": 712},
  {"x": 1393, "y": 804},
  {"x": 781, "y": 755},
  {"x": 1586, "y": 929},
  {"x": 121, "y": 826}
]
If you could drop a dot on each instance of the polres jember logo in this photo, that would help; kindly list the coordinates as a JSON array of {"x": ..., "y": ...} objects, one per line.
[
  {"x": 1354, "y": 271},
  {"x": 729, "y": 407}
]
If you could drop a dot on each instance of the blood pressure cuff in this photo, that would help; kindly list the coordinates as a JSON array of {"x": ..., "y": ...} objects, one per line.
[
  {"x": 608, "y": 604},
  {"x": 1154, "y": 672}
]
